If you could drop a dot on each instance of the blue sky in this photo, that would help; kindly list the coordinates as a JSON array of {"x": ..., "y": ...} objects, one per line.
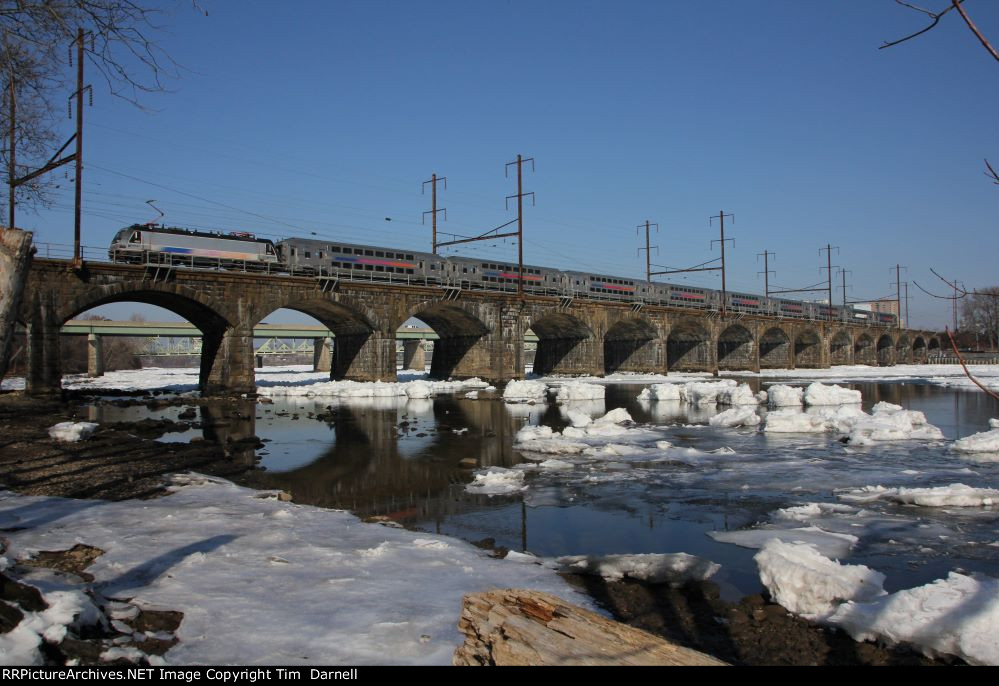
[{"x": 327, "y": 116}]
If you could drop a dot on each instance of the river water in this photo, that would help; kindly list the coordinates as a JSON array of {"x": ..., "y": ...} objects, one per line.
[{"x": 410, "y": 461}]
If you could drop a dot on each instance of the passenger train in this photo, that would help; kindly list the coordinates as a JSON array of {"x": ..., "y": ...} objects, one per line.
[{"x": 157, "y": 245}]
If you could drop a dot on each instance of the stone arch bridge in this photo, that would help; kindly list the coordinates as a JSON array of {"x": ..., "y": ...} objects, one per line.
[{"x": 481, "y": 333}]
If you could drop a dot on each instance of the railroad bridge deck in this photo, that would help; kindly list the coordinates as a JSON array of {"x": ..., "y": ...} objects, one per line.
[{"x": 481, "y": 333}]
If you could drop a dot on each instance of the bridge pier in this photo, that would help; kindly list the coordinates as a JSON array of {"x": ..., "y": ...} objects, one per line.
[
  {"x": 95, "y": 355},
  {"x": 44, "y": 375},
  {"x": 414, "y": 355},
  {"x": 366, "y": 356},
  {"x": 321, "y": 355},
  {"x": 227, "y": 362}
]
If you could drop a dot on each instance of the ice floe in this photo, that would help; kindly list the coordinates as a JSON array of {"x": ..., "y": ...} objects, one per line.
[
  {"x": 810, "y": 584},
  {"x": 820, "y": 394},
  {"x": 954, "y": 495},
  {"x": 736, "y": 416},
  {"x": 525, "y": 391},
  {"x": 658, "y": 568},
  {"x": 780, "y": 395},
  {"x": 574, "y": 392},
  {"x": 983, "y": 442},
  {"x": 497, "y": 481}
]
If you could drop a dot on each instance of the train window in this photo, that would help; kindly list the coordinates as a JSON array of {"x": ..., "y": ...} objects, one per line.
[
  {"x": 409, "y": 271},
  {"x": 379, "y": 268},
  {"x": 379, "y": 253},
  {"x": 320, "y": 254},
  {"x": 369, "y": 253},
  {"x": 335, "y": 248},
  {"x": 369, "y": 267},
  {"x": 134, "y": 238},
  {"x": 464, "y": 270},
  {"x": 308, "y": 254},
  {"x": 294, "y": 252},
  {"x": 410, "y": 257}
]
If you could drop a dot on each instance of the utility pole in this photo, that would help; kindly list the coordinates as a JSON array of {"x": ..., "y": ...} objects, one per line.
[
  {"x": 907, "y": 304},
  {"x": 766, "y": 270},
  {"x": 520, "y": 216},
  {"x": 721, "y": 221},
  {"x": 648, "y": 248},
  {"x": 898, "y": 294},
  {"x": 843, "y": 273},
  {"x": 433, "y": 212},
  {"x": 829, "y": 274},
  {"x": 954, "y": 304},
  {"x": 77, "y": 214}
]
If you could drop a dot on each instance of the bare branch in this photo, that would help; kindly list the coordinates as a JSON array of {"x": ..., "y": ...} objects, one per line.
[
  {"x": 934, "y": 295},
  {"x": 933, "y": 15},
  {"x": 991, "y": 173},
  {"x": 974, "y": 29}
]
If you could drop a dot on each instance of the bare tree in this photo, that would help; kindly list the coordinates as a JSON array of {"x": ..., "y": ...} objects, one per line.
[
  {"x": 935, "y": 17},
  {"x": 35, "y": 41},
  {"x": 980, "y": 315}
]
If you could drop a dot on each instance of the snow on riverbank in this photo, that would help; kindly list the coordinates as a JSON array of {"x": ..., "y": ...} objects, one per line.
[{"x": 266, "y": 582}]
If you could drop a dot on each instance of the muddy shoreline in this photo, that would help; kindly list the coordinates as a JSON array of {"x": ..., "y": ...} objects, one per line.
[{"x": 123, "y": 461}]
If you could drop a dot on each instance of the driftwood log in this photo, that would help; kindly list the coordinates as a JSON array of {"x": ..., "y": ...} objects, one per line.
[{"x": 518, "y": 627}]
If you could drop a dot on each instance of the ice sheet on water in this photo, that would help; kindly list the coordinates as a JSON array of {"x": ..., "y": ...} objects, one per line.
[
  {"x": 835, "y": 545},
  {"x": 808, "y": 583},
  {"x": 954, "y": 495},
  {"x": 675, "y": 569}
]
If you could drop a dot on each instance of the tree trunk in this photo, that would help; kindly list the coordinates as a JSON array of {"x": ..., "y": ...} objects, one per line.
[{"x": 15, "y": 258}]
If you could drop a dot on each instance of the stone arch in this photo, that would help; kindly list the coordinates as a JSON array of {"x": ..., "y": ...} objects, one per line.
[
  {"x": 211, "y": 319},
  {"x": 458, "y": 330},
  {"x": 358, "y": 352},
  {"x": 885, "y": 351},
  {"x": 903, "y": 349},
  {"x": 863, "y": 350},
  {"x": 775, "y": 349},
  {"x": 933, "y": 346},
  {"x": 736, "y": 348},
  {"x": 919, "y": 349},
  {"x": 688, "y": 347},
  {"x": 807, "y": 349},
  {"x": 632, "y": 344},
  {"x": 565, "y": 344},
  {"x": 841, "y": 348}
]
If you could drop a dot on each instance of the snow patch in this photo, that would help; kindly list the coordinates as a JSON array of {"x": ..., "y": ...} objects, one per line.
[
  {"x": 497, "y": 481},
  {"x": 525, "y": 391},
  {"x": 737, "y": 416},
  {"x": 575, "y": 392},
  {"x": 820, "y": 394},
  {"x": 70, "y": 432}
]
